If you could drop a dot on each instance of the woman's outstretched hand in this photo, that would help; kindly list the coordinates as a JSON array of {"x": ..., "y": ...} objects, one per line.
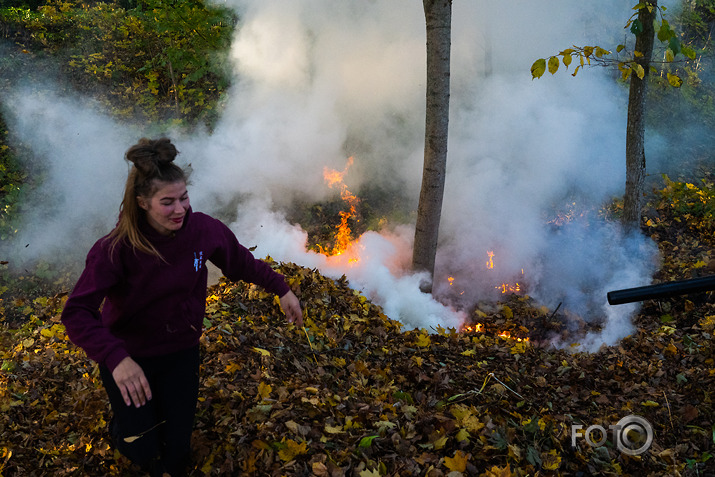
[
  {"x": 132, "y": 382},
  {"x": 291, "y": 307}
]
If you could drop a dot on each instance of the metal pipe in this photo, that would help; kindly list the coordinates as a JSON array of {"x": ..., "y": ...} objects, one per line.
[{"x": 661, "y": 290}]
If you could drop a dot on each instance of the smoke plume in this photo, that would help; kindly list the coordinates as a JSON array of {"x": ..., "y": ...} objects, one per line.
[{"x": 319, "y": 81}]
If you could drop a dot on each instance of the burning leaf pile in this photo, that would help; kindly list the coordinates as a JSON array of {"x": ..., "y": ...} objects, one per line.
[{"x": 354, "y": 394}]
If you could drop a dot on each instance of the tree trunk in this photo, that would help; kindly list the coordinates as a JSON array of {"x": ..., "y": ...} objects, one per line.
[
  {"x": 438, "y": 19},
  {"x": 635, "y": 152},
  {"x": 176, "y": 89}
]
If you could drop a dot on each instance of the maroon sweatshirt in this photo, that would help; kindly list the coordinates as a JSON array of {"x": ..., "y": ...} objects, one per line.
[{"x": 153, "y": 306}]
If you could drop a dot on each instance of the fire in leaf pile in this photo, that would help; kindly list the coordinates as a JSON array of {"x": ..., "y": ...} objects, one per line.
[{"x": 354, "y": 394}]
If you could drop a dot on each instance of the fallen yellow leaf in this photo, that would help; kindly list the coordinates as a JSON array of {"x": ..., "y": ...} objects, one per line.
[
  {"x": 264, "y": 390},
  {"x": 292, "y": 449},
  {"x": 423, "y": 340},
  {"x": 458, "y": 463},
  {"x": 552, "y": 460}
]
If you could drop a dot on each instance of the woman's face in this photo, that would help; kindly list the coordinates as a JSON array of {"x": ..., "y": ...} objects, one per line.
[{"x": 166, "y": 209}]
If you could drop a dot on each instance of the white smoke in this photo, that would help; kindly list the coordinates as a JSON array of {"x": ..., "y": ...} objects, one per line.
[
  {"x": 380, "y": 273},
  {"x": 82, "y": 174},
  {"x": 317, "y": 81}
]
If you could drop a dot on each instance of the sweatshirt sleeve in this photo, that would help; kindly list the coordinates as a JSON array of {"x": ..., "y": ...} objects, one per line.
[
  {"x": 81, "y": 315},
  {"x": 238, "y": 263}
]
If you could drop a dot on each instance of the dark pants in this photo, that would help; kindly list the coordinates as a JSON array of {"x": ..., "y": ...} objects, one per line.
[{"x": 164, "y": 423}]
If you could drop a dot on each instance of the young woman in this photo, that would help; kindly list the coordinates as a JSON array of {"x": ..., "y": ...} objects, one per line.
[{"x": 138, "y": 307}]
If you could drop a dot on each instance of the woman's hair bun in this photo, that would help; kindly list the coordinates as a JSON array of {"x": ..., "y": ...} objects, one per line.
[{"x": 148, "y": 155}]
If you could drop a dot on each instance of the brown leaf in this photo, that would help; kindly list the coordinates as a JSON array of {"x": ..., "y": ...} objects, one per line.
[{"x": 689, "y": 413}]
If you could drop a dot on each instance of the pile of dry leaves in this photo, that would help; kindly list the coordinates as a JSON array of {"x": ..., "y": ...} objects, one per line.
[{"x": 353, "y": 394}]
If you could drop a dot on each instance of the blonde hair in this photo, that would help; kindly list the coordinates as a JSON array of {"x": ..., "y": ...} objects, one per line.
[{"x": 153, "y": 163}]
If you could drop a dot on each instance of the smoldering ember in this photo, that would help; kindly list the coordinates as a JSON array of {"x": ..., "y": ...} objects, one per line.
[{"x": 303, "y": 126}]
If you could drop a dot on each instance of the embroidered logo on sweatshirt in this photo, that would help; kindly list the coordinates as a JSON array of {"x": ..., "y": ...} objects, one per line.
[{"x": 198, "y": 260}]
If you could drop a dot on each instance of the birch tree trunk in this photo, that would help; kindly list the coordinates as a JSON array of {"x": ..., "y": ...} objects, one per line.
[
  {"x": 438, "y": 20},
  {"x": 635, "y": 128}
]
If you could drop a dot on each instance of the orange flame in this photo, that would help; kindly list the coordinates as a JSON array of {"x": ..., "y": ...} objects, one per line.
[
  {"x": 505, "y": 287},
  {"x": 333, "y": 177},
  {"x": 507, "y": 336},
  {"x": 479, "y": 328},
  {"x": 508, "y": 288},
  {"x": 343, "y": 237},
  {"x": 490, "y": 260},
  {"x": 450, "y": 280},
  {"x": 473, "y": 328}
]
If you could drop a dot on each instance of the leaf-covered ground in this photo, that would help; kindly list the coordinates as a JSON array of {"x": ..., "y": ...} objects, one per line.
[{"x": 353, "y": 394}]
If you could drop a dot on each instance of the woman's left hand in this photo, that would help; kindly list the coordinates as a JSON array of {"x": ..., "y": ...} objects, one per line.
[{"x": 291, "y": 307}]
